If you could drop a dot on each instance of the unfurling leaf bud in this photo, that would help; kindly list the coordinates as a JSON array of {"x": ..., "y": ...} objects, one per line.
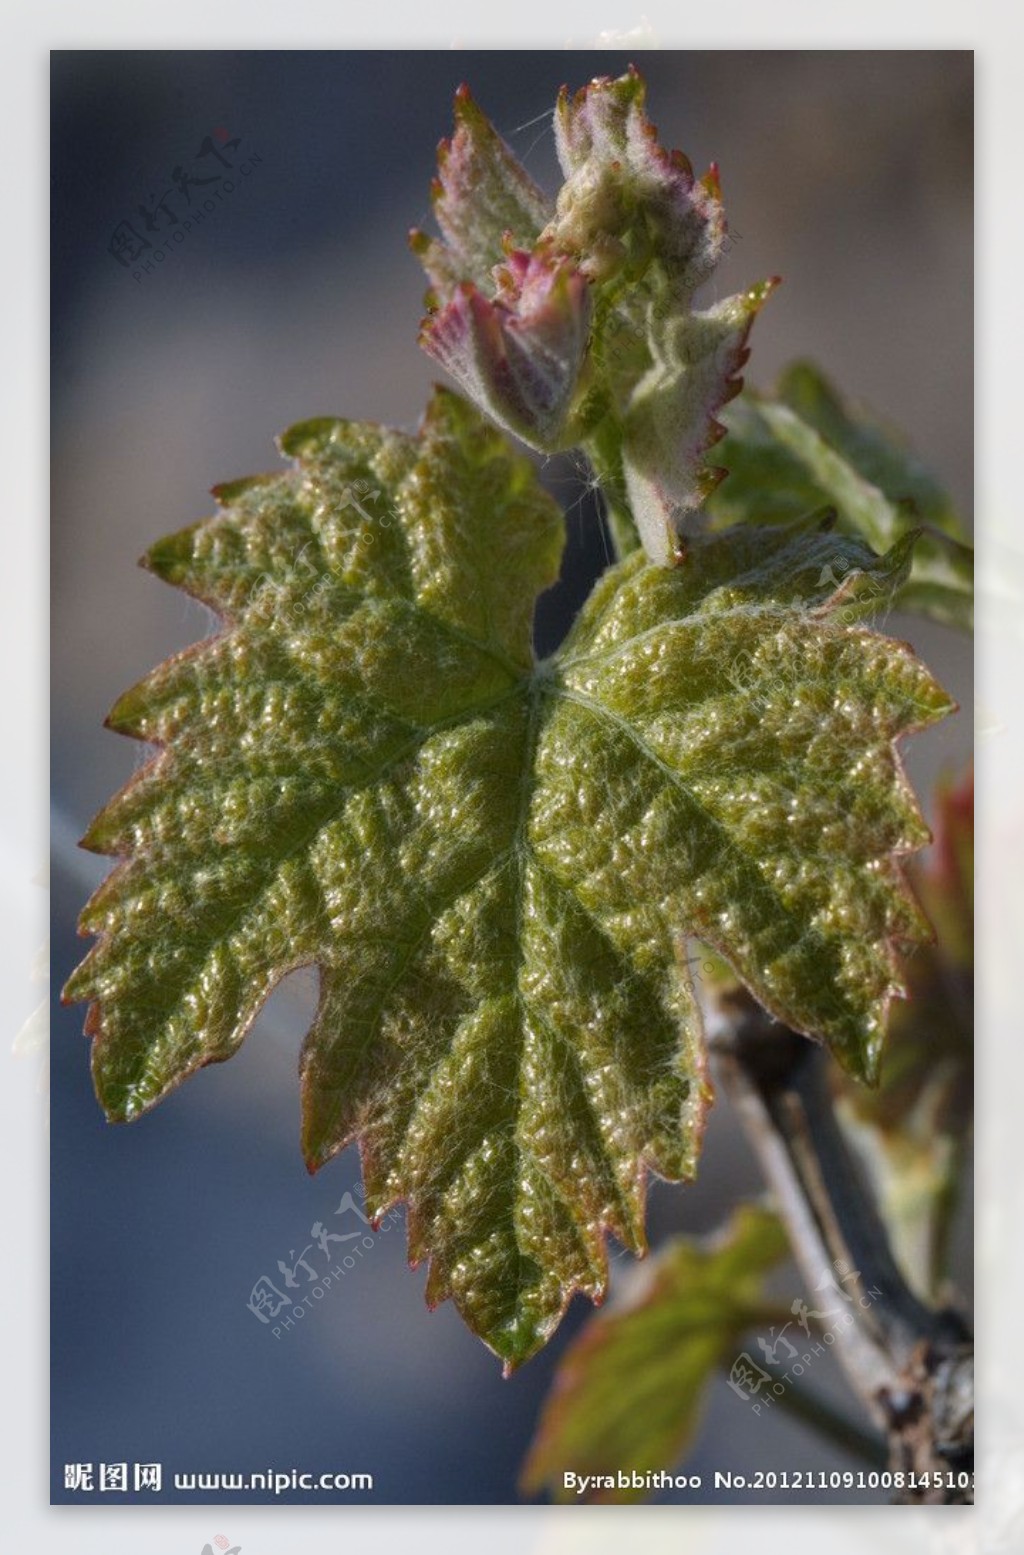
[{"x": 572, "y": 324}]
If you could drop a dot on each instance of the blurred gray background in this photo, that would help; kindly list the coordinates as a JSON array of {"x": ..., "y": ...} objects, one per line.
[{"x": 848, "y": 174}]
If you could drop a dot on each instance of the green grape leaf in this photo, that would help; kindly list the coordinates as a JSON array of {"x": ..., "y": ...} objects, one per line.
[
  {"x": 494, "y": 862},
  {"x": 803, "y": 447},
  {"x": 912, "y": 1130},
  {"x": 629, "y": 1393}
]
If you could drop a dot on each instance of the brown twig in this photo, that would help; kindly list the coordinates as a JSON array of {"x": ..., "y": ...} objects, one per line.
[{"x": 912, "y": 1366}]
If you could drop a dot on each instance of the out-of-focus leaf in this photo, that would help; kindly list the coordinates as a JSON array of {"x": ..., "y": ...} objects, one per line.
[
  {"x": 789, "y": 453},
  {"x": 912, "y": 1130},
  {"x": 629, "y": 1393}
]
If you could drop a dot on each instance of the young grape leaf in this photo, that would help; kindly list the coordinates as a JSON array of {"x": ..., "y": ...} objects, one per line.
[
  {"x": 494, "y": 862},
  {"x": 801, "y": 447},
  {"x": 629, "y": 1393},
  {"x": 572, "y": 322},
  {"x": 912, "y": 1130}
]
